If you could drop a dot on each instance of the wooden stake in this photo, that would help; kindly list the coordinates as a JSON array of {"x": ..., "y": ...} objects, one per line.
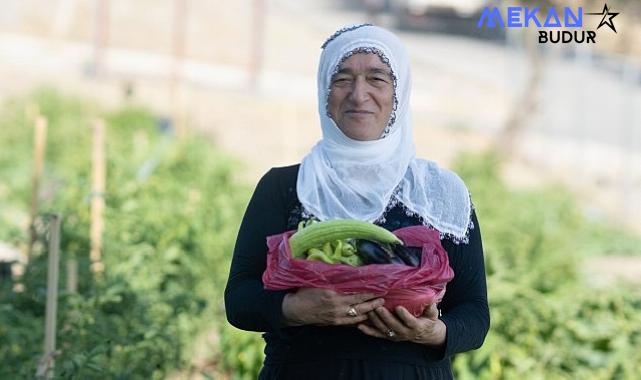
[
  {"x": 52, "y": 296},
  {"x": 39, "y": 145},
  {"x": 98, "y": 171},
  {"x": 72, "y": 275}
]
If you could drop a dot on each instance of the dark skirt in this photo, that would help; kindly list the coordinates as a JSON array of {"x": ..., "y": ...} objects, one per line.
[{"x": 353, "y": 369}]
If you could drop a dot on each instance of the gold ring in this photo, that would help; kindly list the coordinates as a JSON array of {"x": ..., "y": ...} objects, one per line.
[
  {"x": 391, "y": 333},
  {"x": 351, "y": 312}
]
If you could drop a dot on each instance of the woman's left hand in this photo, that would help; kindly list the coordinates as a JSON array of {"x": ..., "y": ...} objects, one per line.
[{"x": 426, "y": 329}]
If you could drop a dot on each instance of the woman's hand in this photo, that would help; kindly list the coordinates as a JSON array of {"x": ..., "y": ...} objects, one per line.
[
  {"x": 426, "y": 329},
  {"x": 312, "y": 306}
]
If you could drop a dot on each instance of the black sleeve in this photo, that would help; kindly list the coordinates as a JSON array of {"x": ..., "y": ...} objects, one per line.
[
  {"x": 248, "y": 305},
  {"x": 464, "y": 307}
]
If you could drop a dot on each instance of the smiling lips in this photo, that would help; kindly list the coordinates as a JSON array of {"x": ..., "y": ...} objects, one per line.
[{"x": 359, "y": 112}]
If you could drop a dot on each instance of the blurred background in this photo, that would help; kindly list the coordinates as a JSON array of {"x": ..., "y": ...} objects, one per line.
[{"x": 133, "y": 132}]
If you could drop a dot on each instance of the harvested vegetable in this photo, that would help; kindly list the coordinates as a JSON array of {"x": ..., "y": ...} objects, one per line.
[{"x": 317, "y": 234}]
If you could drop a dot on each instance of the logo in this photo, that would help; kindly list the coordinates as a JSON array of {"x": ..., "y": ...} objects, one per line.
[
  {"x": 556, "y": 22},
  {"x": 606, "y": 15}
]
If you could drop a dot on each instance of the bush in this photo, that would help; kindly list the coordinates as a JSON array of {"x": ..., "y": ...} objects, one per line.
[
  {"x": 172, "y": 213},
  {"x": 548, "y": 322}
]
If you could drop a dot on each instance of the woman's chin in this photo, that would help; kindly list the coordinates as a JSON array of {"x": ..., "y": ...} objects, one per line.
[{"x": 360, "y": 132}]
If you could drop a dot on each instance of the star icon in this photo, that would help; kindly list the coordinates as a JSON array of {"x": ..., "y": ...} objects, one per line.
[{"x": 607, "y": 17}]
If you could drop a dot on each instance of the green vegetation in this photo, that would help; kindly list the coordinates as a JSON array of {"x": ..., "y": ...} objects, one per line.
[
  {"x": 548, "y": 321},
  {"x": 173, "y": 211}
]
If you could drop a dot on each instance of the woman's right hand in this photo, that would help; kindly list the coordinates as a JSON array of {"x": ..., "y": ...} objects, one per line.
[{"x": 324, "y": 307}]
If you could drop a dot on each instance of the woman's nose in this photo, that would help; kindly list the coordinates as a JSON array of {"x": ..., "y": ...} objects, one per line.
[{"x": 359, "y": 92}]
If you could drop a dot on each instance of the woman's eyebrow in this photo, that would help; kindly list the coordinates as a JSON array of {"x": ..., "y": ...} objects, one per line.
[
  {"x": 373, "y": 70},
  {"x": 380, "y": 71},
  {"x": 344, "y": 70}
]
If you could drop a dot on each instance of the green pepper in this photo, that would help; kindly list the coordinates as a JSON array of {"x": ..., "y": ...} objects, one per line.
[
  {"x": 338, "y": 249},
  {"x": 318, "y": 255}
]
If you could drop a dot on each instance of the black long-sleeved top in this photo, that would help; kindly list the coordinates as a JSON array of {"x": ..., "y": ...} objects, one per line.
[{"x": 344, "y": 352}]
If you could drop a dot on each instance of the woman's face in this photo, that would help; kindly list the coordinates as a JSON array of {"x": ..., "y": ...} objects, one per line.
[{"x": 361, "y": 97}]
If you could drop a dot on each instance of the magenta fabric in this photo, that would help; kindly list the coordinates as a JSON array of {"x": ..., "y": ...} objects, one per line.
[{"x": 411, "y": 287}]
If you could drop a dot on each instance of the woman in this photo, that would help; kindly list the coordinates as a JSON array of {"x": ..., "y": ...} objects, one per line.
[{"x": 363, "y": 168}]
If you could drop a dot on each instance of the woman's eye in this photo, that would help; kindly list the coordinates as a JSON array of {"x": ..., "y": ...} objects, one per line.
[{"x": 378, "y": 80}]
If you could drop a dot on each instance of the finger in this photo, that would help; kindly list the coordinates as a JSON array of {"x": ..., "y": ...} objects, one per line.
[
  {"x": 350, "y": 320},
  {"x": 358, "y": 298},
  {"x": 431, "y": 312},
  {"x": 366, "y": 307},
  {"x": 371, "y": 331},
  {"x": 361, "y": 308},
  {"x": 407, "y": 318},
  {"x": 378, "y": 322},
  {"x": 392, "y": 321}
]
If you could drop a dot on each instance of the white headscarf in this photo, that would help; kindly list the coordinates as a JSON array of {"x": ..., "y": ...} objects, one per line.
[{"x": 343, "y": 178}]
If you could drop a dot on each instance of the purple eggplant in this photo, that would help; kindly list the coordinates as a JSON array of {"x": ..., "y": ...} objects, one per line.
[
  {"x": 372, "y": 252},
  {"x": 410, "y": 255}
]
